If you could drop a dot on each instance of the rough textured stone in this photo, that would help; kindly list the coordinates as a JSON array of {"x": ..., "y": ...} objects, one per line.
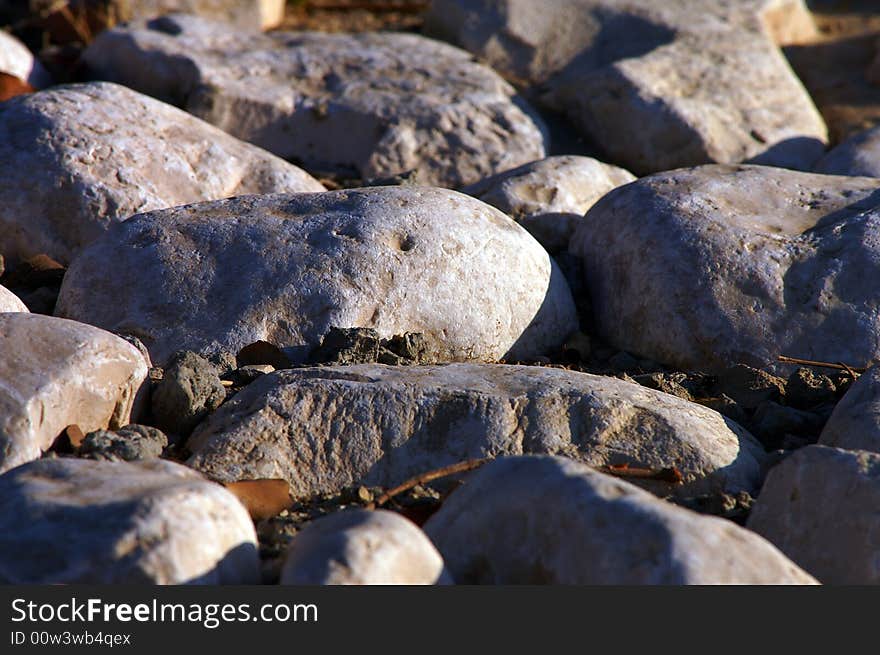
[
  {"x": 68, "y": 521},
  {"x": 189, "y": 390},
  {"x": 549, "y": 197},
  {"x": 251, "y": 14},
  {"x": 291, "y": 266},
  {"x": 658, "y": 85},
  {"x": 9, "y": 302},
  {"x": 76, "y": 159},
  {"x": 365, "y": 105},
  {"x": 857, "y": 156},
  {"x": 17, "y": 60},
  {"x": 549, "y": 520},
  {"x": 855, "y": 422},
  {"x": 129, "y": 443},
  {"x": 55, "y": 373},
  {"x": 819, "y": 507},
  {"x": 360, "y": 547},
  {"x": 749, "y": 387},
  {"x": 327, "y": 428},
  {"x": 718, "y": 265},
  {"x": 807, "y": 389}
]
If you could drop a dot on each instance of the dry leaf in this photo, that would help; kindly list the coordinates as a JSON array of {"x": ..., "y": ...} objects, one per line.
[
  {"x": 11, "y": 86},
  {"x": 262, "y": 498}
]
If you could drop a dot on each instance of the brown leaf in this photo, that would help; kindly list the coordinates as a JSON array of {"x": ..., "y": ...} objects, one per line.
[
  {"x": 34, "y": 272},
  {"x": 11, "y": 86},
  {"x": 262, "y": 498},
  {"x": 262, "y": 352}
]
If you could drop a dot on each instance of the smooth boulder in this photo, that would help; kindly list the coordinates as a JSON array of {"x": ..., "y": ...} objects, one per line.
[
  {"x": 73, "y": 521},
  {"x": 859, "y": 155},
  {"x": 549, "y": 197},
  {"x": 855, "y": 421},
  {"x": 77, "y": 159},
  {"x": 327, "y": 428},
  {"x": 719, "y": 265},
  {"x": 366, "y": 106},
  {"x": 17, "y": 60},
  {"x": 55, "y": 373},
  {"x": 9, "y": 302},
  {"x": 219, "y": 276},
  {"x": 819, "y": 507},
  {"x": 550, "y": 520},
  {"x": 360, "y": 547}
]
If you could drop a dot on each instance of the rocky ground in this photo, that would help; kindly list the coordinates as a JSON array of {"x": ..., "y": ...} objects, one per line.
[{"x": 414, "y": 292}]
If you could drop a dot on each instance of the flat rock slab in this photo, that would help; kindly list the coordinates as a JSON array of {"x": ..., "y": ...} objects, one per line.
[
  {"x": 550, "y": 520},
  {"x": 719, "y": 265},
  {"x": 17, "y": 60},
  {"x": 55, "y": 373},
  {"x": 69, "y": 521},
  {"x": 656, "y": 85},
  {"x": 360, "y": 547},
  {"x": 9, "y": 302},
  {"x": 857, "y": 156},
  {"x": 360, "y": 105},
  {"x": 77, "y": 159},
  {"x": 327, "y": 428},
  {"x": 855, "y": 422},
  {"x": 549, "y": 197},
  {"x": 819, "y": 507},
  {"x": 218, "y": 276}
]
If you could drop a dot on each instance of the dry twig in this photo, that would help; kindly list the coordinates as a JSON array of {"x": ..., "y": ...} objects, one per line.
[
  {"x": 424, "y": 478},
  {"x": 839, "y": 366}
]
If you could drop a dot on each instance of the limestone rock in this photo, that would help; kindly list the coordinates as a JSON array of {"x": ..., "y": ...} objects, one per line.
[
  {"x": 859, "y": 155},
  {"x": 360, "y": 547},
  {"x": 550, "y": 196},
  {"x": 718, "y": 265},
  {"x": 819, "y": 507},
  {"x": 55, "y": 373},
  {"x": 17, "y": 60},
  {"x": 855, "y": 422},
  {"x": 9, "y": 302},
  {"x": 149, "y": 522},
  {"x": 128, "y": 443},
  {"x": 76, "y": 159},
  {"x": 288, "y": 267},
  {"x": 549, "y": 520},
  {"x": 189, "y": 390},
  {"x": 327, "y": 428},
  {"x": 367, "y": 105}
]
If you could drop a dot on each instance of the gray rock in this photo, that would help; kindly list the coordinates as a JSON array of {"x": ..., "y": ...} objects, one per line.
[
  {"x": 360, "y": 547},
  {"x": 819, "y": 507},
  {"x": 749, "y": 387},
  {"x": 130, "y": 443},
  {"x": 550, "y": 196},
  {"x": 658, "y": 85},
  {"x": 327, "y": 428},
  {"x": 855, "y": 422},
  {"x": 806, "y": 389},
  {"x": 285, "y": 268},
  {"x": 703, "y": 268},
  {"x": 365, "y": 105},
  {"x": 190, "y": 389},
  {"x": 9, "y": 302},
  {"x": 77, "y": 159},
  {"x": 773, "y": 421},
  {"x": 17, "y": 60},
  {"x": 68, "y": 521},
  {"x": 549, "y": 520},
  {"x": 859, "y": 155},
  {"x": 55, "y": 373}
]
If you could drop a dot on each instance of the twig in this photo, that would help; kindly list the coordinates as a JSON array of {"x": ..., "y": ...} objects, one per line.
[
  {"x": 461, "y": 467},
  {"x": 672, "y": 474},
  {"x": 840, "y": 366}
]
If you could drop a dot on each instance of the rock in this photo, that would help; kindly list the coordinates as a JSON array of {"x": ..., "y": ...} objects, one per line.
[
  {"x": 735, "y": 264},
  {"x": 79, "y": 158},
  {"x": 859, "y": 155},
  {"x": 151, "y": 522},
  {"x": 360, "y": 105},
  {"x": 252, "y": 14},
  {"x": 57, "y": 373},
  {"x": 360, "y": 547},
  {"x": 364, "y": 346},
  {"x": 550, "y": 520},
  {"x": 189, "y": 390},
  {"x": 806, "y": 389},
  {"x": 549, "y": 197},
  {"x": 773, "y": 421},
  {"x": 819, "y": 507},
  {"x": 749, "y": 387},
  {"x": 855, "y": 422},
  {"x": 726, "y": 406},
  {"x": 17, "y": 60},
  {"x": 327, "y": 428},
  {"x": 9, "y": 302},
  {"x": 666, "y": 382},
  {"x": 656, "y": 85},
  {"x": 290, "y": 267},
  {"x": 130, "y": 443}
]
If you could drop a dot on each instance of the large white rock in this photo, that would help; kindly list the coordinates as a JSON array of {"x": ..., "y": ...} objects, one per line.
[
  {"x": 550, "y": 520},
  {"x": 718, "y": 265},
  {"x": 77, "y": 159},
  {"x": 367, "y": 105},
  {"x": 549, "y": 197},
  {"x": 326, "y": 428},
  {"x": 9, "y": 302},
  {"x": 858, "y": 155},
  {"x": 285, "y": 268},
  {"x": 657, "y": 85},
  {"x": 75, "y": 521},
  {"x": 360, "y": 547},
  {"x": 819, "y": 507},
  {"x": 855, "y": 422},
  {"x": 55, "y": 373},
  {"x": 17, "y": 60}
]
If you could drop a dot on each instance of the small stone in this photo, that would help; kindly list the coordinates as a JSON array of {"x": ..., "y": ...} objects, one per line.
[
  {"x": 132, "y": 442},
  {"x": 244, "y": 375},
  {"x": 806, "y": 389},
  {"x": 749, "y": 387},
  {"x": 9, "y": 302},
  {"x": 623, "y": 361},
  {"x": 773, "y": 421},
  {"x": 189, "y": 390},
  {"x": 262, "y": 353},
  {"x": 347, "y": 346},
  {"x": 665, "y": 383},
  {"x": 17, "y": 60},
  {"x": 727, "y": 406},
  {"x": 855, "y": 421}
]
